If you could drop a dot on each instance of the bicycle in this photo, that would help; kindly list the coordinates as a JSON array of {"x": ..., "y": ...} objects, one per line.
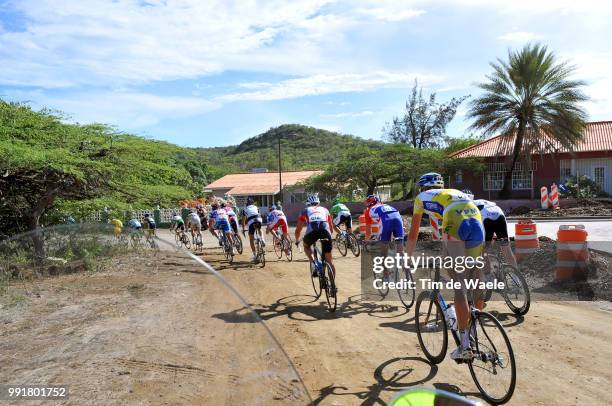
[
  {"x": 345, "y": 241},
  {"x": 228, "y": 249},
  {"x": 181, "y": 237},
  {"x": 136, "y": 239},
  {"x": 150, "y": 239},
  {"x": 282, "y": 245},
  {"x": 238, "y": 243},
  {"x": 404, "y": 281},
  {"x": 260, "y": 248},
  {"x": 321, "y": 270},
  {"x": 197, "y": 241},
  {"x": 432, "y": 325},
  {"x": 515, "y": 285}
]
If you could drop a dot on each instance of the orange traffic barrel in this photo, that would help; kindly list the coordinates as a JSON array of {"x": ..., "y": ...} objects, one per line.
[
  {"x": 374, "y": 228},
  {"x": 525, "y": 238},
  {"x": 572, "y": 252}
]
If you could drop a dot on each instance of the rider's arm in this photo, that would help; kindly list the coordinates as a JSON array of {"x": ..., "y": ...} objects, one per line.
[
  {"x": 368, "y": 224},
  {"x": 298, "y": 229},
  {"x": 413, "y": 235}
]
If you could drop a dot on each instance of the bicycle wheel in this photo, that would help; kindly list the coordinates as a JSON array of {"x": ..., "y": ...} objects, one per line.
[
  {"x": 381, "y": 286},
  {"x": 278, "y": 247},
  {"x": 405, "y": 292},
  {"x": 316, "y": 286},
  {"x": 516, "y": 291},
  {"x": 238, "y": 243},
  {"x": 261, "y": 253},
  {"x": 330, "y": 288},
  {"x": 354, "y": 245},
  {"x": 341, "y": 244},
  {"x": 431, "y": 327},
  {"x": 177, "y": 239},
  {"x": 493, "y": 367},
  {"x": 186, "y": 241},
  {"x": 288, "y": 248}
]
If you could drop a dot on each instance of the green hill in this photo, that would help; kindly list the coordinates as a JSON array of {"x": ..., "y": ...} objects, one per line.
[{"x": 302, "y": 148}]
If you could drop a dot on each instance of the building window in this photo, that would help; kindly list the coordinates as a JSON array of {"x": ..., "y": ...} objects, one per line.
[
  {"x": 493, "y": 180},
  {"x": 599, "y": 176},
  {"x": 521, "y": 180},
  {"x": 566, "y": 173},
  {"x": 459, "y": 176}
]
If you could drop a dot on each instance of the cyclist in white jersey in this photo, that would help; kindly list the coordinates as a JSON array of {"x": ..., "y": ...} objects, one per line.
[
  {"x": 251, "y": 219},
  {"x": 494, "y": 221}
]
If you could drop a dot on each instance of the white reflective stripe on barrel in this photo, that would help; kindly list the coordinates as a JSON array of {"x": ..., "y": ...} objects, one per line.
[
  {"x": 525, "y": 237},
  {"x": 571, "y": 264},
  {"x": 572, "y": 246}
]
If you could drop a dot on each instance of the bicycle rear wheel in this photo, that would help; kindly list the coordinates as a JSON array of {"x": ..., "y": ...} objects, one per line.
[
  {"x": 341, "y": 245},
  {"x": 431, "y": 327},
  {"x": 516, "y": 291},
  {"x": 354, "y": 245},
  {"x": 238, "y": 243},
  {"x": 316, "y": 285},
  {"x": 186, "y": 241},
  {"x": 261, "y": 253},
  {"x": 405, "y": 292},
  {"x": 288, "y": 248},
  {"x": 330, "y": 288},
  {"x": 278, "y": 247},
  {"x": 493, "y": 367}
]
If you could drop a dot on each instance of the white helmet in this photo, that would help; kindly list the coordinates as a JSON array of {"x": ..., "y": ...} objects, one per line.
[
  {"x": 313, "y": 199},
  {"x": 431, "y": 179}
]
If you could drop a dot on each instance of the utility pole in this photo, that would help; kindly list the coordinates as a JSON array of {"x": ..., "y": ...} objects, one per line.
[{"x": 280, "y": 172}]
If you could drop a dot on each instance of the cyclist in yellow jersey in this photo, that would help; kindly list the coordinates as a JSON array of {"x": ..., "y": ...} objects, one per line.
[
  {"x": 118, "y": 226},
  {"x": 460, "y": 221}
]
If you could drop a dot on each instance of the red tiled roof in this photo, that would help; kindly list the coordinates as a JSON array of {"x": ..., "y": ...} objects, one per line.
[
  {"x": 259, "y": 183},
  {"x": 597, "y": 137}
]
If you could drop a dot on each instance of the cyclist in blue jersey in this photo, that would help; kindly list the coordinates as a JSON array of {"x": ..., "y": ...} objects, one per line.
[{"x": 390, "y": 222}]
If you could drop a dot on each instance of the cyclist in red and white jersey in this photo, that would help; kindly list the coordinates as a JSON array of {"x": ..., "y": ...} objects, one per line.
[
  {"x": 276, "y": 219},
  {"x": 318, "y": 224}
]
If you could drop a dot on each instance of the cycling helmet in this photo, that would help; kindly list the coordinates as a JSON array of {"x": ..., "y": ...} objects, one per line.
[
  {"x": 250, "y": 201},
  {"x": 273, "y": 207},
  {"x": 336, "y": 201},
  {"x": 371, "y": 200},
  {"x": 431, "y": 179},
  {"x": 214, "y": 206},
  {"x": 469, "y": 193},
  {"x": 313, "y": 199},
  {"x": 146, "y": 215}
]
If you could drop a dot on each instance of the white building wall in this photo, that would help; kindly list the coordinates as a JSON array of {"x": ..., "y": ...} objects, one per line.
[{"x": 579, "y": 167}]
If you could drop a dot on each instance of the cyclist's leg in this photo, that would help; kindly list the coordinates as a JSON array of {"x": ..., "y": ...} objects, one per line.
[
  {"x": 501, "y": 232},
  {"x": 326, "y": 248},
  {"x": 307, "y": 241},
  {"x": 252, "y": 238},
  {"x": 349, "y": 224}
]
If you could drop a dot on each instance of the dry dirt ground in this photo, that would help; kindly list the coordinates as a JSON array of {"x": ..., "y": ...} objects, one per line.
[{"x": 163, "y": 330}]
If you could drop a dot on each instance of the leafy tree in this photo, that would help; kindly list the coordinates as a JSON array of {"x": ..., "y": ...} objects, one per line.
[
  {"x": 424, "y": 122},
  {"x": 532, "y": 102},
  {"x": 457, "y": 144},
  {"x": 49, "y": 169}
]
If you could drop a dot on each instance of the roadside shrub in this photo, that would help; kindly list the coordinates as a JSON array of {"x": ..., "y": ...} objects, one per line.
[{"x": 583, "y": 187}]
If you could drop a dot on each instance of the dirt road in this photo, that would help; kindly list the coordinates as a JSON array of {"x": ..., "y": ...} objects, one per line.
[{"x": 163, "y": 330}]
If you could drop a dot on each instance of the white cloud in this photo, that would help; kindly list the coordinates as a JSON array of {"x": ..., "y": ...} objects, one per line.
[
  {"x": 127, "y": 109},
  {"x": 594, "y": 68},
  {"x": 349, "y": 114},
  {"x": 391, "y": 14},
  {"x": 518, "y": 36},
  {"x": 324, "y": 84}
]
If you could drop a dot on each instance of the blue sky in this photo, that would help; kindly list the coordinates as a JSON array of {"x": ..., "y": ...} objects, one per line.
[{"x": 211, "y": 73}]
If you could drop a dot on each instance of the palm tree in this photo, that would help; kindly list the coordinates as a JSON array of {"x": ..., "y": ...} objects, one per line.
[{"x": 533, "y": 104}]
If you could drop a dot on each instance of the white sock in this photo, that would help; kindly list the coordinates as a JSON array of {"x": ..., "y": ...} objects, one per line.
[{"x": 465, "y": 339}]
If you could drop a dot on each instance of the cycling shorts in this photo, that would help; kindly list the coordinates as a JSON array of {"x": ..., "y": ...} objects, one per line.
[
  {"x": 180, "y": 226},
  {"x": 319, "y": 234},
  {"x": 461, "y": 221},
  {"x": 497, "y": 227},
  {"x": 343, "y": 217},
  {"x": 394, "y": 226},
  {"x": 255, "y": 225},
  {"x": 223, "y": 225},
  {"x": 283, "y": 225},
  {"x": 195, "y": 226},
  {"x": 117, "y": 230}
]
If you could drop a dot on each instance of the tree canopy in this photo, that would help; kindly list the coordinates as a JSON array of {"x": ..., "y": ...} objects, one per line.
[
  {"x": 424, "y": 122},
  {"x": 50, "y": 166}
]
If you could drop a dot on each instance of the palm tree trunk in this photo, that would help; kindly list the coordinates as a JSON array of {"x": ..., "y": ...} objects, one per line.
[{"x": 516, "y": 152}]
